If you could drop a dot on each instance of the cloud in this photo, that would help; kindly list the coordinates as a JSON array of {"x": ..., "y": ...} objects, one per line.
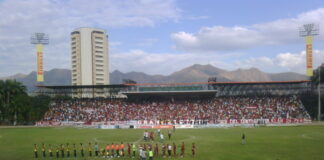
[
  {"x": 147, "y": 42},
  {"x": 166, "y": 63},
  {"x": 160, "y": 63},
  {"x": 282, "y": 62},
  {"x": 19, "y": 19},
  {"x": 221, "y": 38}
]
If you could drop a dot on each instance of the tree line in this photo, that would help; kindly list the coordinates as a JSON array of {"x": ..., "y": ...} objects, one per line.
[
  {"x": 17, "y": 107},
  {"x": 310, "y": 100}
]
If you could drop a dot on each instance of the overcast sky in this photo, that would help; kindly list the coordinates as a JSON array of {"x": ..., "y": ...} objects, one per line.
[{"x": 163, "y": 36}]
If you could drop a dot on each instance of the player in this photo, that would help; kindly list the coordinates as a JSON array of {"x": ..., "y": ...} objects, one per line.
[
  {"x": 134, "y": 149},
  {"x": 82, "y": 150},
  {"x": 193, "y": 149},
  {"x": 140, "y": 152},
  {"x": 36, "y": 150},
  {"x": 74, "y": 150},
  {"x": 182, "y": 149},
  {"x": 151, "y": 154},
  {"x": 163, "y": 150},
  {"x": 62, "y": 150},
  {"x": 156, "y": 150},
  {"x": 159, "y": 132},
  {"x": 174, "y": 128},
  {"x": 43, "y": 150},
  {"x": 174, "y": 149},
  {"x": 112, "y": 150},
  {"x": 50, "y": 150},
  {"x": 143, "y": 155},
  {"x": 152, "y": 136},
  {"x": 129, "y": 149},
  {"x": 107, "y": 150},
  {"x": 169, "y": 134},
  {"x": 243, "y": 138},
  {"x": 96, "y": 149},
  {"x": 117, "y": 150},
  {"x": 144, "y": 146},
  {"x": 57, "y": 151},
  {"x": 169, "y": 150},
  {"x": 103, "y": 151},
  {"x": 161, "y": 137},
  {"x": 122, "y": 147},
  {"x": 144, "y": 134},
  {"x": 90, "y": 150},
  {"x": 67, "y": 150}
]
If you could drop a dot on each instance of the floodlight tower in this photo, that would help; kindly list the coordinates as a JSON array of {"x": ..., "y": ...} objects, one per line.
[
  {"x": 39, "y": 39},
  {"x": 308, "y": 31}
]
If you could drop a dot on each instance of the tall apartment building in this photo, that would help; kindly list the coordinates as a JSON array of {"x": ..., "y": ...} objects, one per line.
[{"x": 89, "y": 48}]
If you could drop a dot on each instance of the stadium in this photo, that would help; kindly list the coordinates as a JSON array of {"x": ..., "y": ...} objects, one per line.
[
  {"x": 81, "y": 121},
  {"x": 125, "y": 94}
]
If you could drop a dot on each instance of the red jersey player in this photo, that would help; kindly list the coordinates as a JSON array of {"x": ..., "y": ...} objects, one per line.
[
  {"x": 129, "y": 149},
  {"x": 156, "y": 150},
  {"x": 174, "y": 149},
  {"x": 182, "y": 149},
  {"x": 193, "y": 149}
]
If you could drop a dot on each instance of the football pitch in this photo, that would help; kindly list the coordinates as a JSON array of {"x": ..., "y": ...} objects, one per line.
[{"x": 264, "y": 143}]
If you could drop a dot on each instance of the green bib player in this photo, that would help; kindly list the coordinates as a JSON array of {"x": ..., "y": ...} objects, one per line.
[
  {"x": 57, "y": 152},
  {"x": 82, "y": 153},
  {"x": 90, "y": 150},
  {"x": 74, "y": 151},
  {"x": 44, "y": 150},
  {"x": 36, "y": 150},
  {"x": 62, "y": 150},
  {"x": 50, "y": 150}
]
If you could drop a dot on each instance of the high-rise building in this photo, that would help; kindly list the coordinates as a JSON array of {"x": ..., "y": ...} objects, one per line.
[{"x": 89, "y": 48}]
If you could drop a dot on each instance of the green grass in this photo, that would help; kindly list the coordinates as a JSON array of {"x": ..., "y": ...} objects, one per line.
[{"x": 264, "y": 143}]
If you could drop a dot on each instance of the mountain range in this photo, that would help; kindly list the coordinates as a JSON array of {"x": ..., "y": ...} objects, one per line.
[{"x": 194, "y": 73}]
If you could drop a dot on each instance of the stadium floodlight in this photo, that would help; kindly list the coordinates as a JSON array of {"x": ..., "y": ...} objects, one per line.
[
  {"x": 308, "y": 31},
  {"x": 39, "y": 39}
]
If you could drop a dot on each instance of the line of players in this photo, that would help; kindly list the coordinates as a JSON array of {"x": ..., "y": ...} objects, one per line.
[{"x": 113, "y": 150}]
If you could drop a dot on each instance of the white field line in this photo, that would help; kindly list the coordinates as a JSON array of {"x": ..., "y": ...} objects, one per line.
[
  {"x": 96, "y": 139},
  {"x": 308, "y": 137}
]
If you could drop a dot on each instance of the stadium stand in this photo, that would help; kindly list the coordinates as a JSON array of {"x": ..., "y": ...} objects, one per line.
[
  {"x": 172, "y": 104},
  {"x": 210, "y": 111}
]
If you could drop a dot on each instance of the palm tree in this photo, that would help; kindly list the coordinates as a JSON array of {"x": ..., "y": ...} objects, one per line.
[{"x": 9, "y": 89}]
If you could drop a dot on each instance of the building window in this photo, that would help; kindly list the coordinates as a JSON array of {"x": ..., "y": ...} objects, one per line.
[{"x": 99, "y": 38}]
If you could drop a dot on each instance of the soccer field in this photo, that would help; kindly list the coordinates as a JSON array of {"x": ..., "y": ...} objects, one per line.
[{"x": 266, "y": 143}]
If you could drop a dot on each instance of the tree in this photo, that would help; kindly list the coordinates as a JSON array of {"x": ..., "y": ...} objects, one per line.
[
  {"x": 310, "y": 100},
  {"x": 9, "y": 89},
  {"x": 315, "y": 77}
]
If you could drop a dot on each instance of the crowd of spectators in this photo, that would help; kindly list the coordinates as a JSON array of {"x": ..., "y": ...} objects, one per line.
[{"x": 220, "y": 108}]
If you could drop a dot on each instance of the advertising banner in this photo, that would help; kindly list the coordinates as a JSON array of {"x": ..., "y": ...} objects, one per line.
[
  {"x": 40, "y": 71},
  {"x": 309, "y": 55},
  {"x": 163, "y": 126}
]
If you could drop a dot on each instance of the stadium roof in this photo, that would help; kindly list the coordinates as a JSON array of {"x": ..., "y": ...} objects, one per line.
[
  {"x": 82, "y": 86},
  {"x": 165, "y": 84},
  {"x": 170, "y": 94},
  {"x": 220, "y": 83}
]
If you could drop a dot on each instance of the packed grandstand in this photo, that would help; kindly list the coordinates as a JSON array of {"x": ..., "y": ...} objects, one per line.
[
  {"x": 212, "y": 111},
  {"x": 173, "y": 105}
]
